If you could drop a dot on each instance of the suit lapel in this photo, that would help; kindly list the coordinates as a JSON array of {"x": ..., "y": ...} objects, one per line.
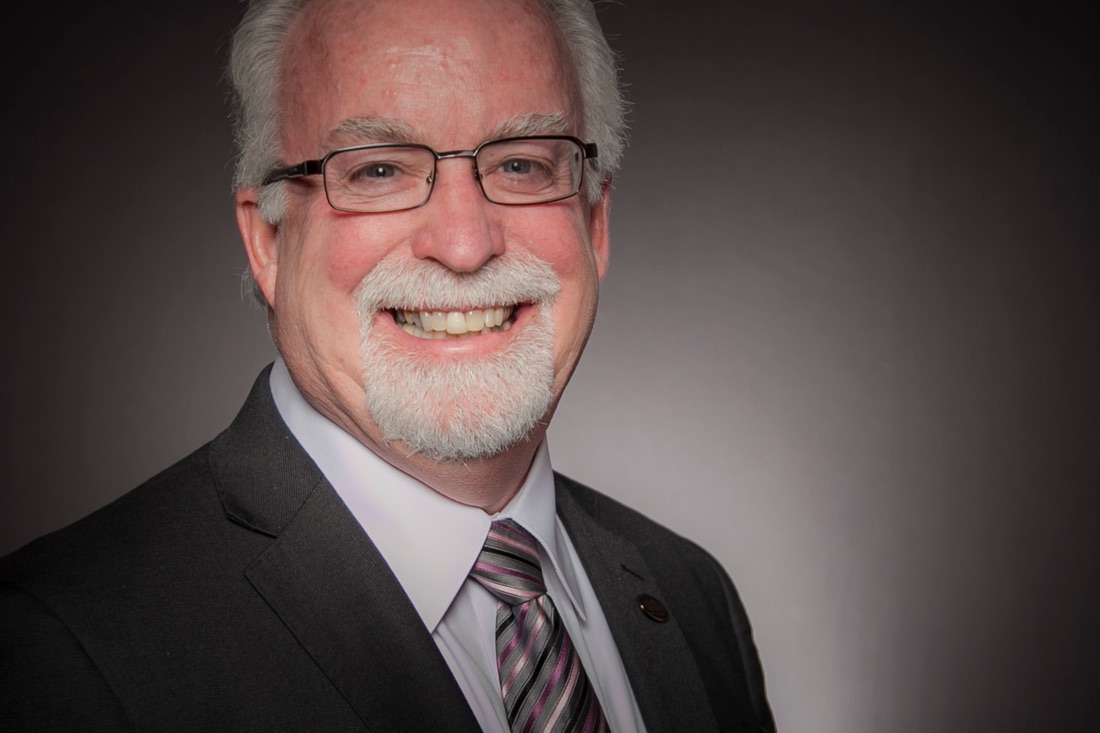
[
  {"x": 661, "y": 668},
  {"x": 335, "y": 593},
  {"x": 328, "y": 583}
]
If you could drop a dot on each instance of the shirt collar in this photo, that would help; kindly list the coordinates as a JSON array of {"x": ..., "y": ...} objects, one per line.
[{"x": 448, "y": 535}]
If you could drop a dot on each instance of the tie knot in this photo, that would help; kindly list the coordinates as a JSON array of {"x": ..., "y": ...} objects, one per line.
[{"x": 509, "y": 564}]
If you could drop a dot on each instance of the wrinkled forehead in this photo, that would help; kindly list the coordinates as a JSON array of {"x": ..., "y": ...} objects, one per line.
[{"x": 435, "y": 69}]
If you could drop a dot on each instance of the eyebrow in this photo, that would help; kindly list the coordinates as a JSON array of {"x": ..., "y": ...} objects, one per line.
[
  {"x": 365, "y": 130},
  {"x": 360, "y": 130},
  {"x": 533, "y": 123}
]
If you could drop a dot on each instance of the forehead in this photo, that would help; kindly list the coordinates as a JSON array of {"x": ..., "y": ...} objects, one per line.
[{"x": 445, "y": 72}]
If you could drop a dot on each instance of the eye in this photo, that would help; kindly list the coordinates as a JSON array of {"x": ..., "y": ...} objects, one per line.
[
  {"x": 517, "y": 166},
  {"x": 382, "y": 166},
  {"x": 376, "y": 171},
  {"x": 526, "y": 168}
]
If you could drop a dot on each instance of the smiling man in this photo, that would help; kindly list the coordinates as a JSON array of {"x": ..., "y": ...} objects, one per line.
[{"x": 378, "y": 541}]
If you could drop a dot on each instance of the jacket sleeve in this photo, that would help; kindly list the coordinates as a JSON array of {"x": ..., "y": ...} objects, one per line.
[
  {"x": 47, "y": 680},
  {"x": 750, "y": 658}
]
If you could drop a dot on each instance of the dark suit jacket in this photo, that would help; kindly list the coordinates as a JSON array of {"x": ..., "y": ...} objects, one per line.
[{"x": 236, "y": 592}]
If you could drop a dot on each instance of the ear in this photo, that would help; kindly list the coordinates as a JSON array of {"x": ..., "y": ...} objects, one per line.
[
  {"x": 260, "y": 242},
  {"x": 598, "y": 228}
]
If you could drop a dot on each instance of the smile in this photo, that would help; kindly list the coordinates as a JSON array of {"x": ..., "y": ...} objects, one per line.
[{"x": 454, "y": 324}]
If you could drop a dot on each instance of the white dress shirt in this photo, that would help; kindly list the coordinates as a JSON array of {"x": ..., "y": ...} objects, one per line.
[{"x": 448, "y": 536}]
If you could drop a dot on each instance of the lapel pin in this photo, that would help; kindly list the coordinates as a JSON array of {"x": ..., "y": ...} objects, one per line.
[{"x": 652, "y": 608}]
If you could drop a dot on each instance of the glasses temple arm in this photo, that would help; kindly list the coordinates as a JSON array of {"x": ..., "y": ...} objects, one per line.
[{"x": 305, "y": 168}]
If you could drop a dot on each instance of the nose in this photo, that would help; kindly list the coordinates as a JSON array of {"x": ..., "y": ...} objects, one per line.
[{"x": 460, "y": 230}]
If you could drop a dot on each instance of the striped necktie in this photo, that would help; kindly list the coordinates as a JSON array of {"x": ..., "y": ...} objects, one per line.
[{"x": 541, "y": 677}]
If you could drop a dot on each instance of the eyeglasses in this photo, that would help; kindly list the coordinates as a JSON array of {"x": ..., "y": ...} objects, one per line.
[{"x": 515, "y": 171}]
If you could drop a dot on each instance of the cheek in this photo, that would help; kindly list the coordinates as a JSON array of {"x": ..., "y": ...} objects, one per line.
[
  {"x": 350, "y": 251},
  {"x": 337, "y": 252},
  {"x": 563, "y": 242},
  {"x": 572, "y": 258},
  {"x": 322, "y": 261},
  {"x": 581, "y": 271}
]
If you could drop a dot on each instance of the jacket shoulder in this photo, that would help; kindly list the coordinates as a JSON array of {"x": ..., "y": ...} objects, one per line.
[
  {"x": 126, "y": 529},
  {"x": 698, "y": 592},
  {"x": 76, "y": 599},
  {"x": 657, "y": 543}
]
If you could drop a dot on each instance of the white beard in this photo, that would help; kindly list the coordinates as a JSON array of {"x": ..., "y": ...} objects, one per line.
[{"x": 472, "y": 406}]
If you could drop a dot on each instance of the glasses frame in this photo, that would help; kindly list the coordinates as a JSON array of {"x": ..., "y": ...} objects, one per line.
[{"x": 317, "y": 168}]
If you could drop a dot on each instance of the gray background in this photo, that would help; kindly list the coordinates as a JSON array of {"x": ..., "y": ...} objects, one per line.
[{"x": 846, "y": 342}]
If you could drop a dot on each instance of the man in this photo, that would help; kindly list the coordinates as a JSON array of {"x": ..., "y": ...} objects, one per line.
[{"x": 423, "y": 198}]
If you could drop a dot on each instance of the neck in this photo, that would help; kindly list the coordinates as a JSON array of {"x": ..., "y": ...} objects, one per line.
[{"x": 487, "y": 483}]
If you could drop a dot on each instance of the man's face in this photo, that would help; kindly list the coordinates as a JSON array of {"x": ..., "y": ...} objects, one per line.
[{"x": 449, "y": 75}]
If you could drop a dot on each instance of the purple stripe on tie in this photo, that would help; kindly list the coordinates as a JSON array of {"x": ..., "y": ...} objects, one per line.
[
  {"x": 570, "y": 684},
  {"x": 510, "y": 572},
  {"x": 529, "y": 651},
  {"x": 552, "y": 683},
  {"x": 518, "y": 543},
  {"x": 507, "y": 649}
]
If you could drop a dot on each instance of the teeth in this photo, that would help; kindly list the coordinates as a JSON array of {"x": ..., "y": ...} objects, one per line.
[
  {"x": 433, "y": 320},
  {"x": 454, "y": 324},
  {"x": 475, "y": 320}
]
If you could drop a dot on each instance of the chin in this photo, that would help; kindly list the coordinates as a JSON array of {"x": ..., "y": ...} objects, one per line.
[{"x": 460, "y": 409}]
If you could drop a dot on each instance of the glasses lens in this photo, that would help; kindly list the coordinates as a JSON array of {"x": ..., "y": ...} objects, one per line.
[
  {"x": 377, "y": 179},
  {"x": 530, "y": 170}
]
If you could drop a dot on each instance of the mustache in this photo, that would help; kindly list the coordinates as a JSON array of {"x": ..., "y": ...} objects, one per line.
[{"x": 401, "y": 284}]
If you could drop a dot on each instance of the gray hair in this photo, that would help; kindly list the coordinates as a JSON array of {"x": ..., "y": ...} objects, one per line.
[{"x": 255, "y": 74}]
